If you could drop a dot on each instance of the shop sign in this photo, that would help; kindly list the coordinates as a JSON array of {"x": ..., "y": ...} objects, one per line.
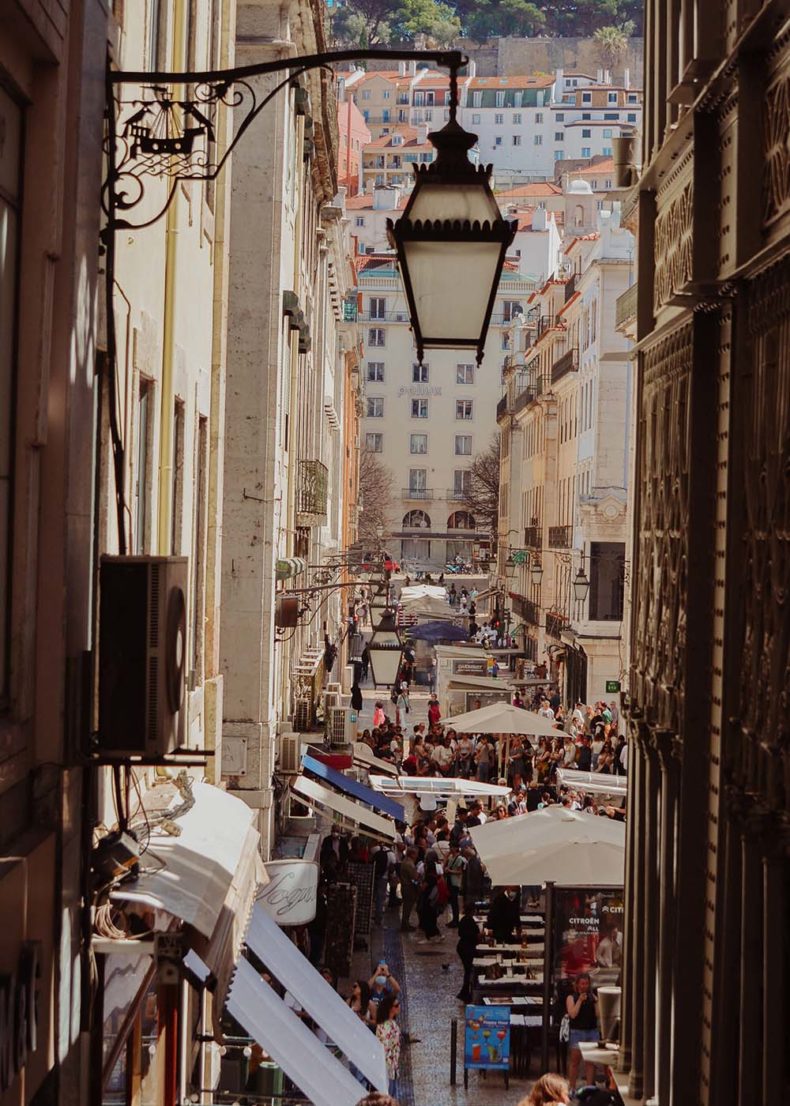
[
  {"x": 469, "y": 668},
  {"x": 18, "y": 1014},
  {"x": 612, "y": 686},
  {"x": 290, "y": 895},
  {"x": 487, "y": 1038}
]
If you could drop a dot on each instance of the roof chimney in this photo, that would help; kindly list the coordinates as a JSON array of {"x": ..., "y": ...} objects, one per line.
[
  {"x": 626, "y": 77},
  {"x": 471, "y": 69},
  {"x": 559, "y": 83},
  {"x": 599, "y": 76},
  {"x": 401, "y": 68},
  {"x": 412, "y": 70}
]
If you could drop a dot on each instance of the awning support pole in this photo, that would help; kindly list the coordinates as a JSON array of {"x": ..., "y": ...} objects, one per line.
[{"x": 548, "y": 958}]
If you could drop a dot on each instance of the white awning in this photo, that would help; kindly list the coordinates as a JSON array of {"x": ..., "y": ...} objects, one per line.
[
  {"x": 597, "y": 783},
  {"x": 435, "y": 785},
  {"x": 364, "y": 756},
  {"x": 324, "y": 1005},
  {"x": 458, "y": 682},
  {"x": 309, "y": 1064},
  {"x": 318, "y": 795}
]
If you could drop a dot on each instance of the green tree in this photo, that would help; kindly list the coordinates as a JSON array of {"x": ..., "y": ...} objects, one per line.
[
  {"x": 379, "y": 22},
  {"x": 437, "y": 22},
  {"x": 482, "y": 19}
]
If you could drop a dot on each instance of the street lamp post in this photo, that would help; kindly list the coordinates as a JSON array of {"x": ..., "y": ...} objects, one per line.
[{"x": 385, "y": 650}]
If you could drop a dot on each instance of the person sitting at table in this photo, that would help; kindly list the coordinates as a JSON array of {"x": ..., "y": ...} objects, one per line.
[
  {"x": 468, "y": 939},
  {"x": 582, "y": 1010},
  {"x": 504, "y": 915}
]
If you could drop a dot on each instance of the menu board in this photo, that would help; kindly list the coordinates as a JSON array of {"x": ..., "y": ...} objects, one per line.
[{"x": 487, "y": 1038}]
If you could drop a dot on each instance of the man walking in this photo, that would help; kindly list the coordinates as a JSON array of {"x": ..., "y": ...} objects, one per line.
[{"x": 409, "y": 881}]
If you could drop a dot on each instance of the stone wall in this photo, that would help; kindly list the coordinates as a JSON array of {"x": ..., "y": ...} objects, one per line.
[{"x": 507, "y": 56}]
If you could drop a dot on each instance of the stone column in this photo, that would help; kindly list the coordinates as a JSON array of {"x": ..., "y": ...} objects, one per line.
[
  {"x": 750, "y": 1013},
  {"x": 668, "y": 755},
  {"x": 650, "y": 841},
  {"x": 630, "y": 920},
  {"x": 636, "y": 982}
]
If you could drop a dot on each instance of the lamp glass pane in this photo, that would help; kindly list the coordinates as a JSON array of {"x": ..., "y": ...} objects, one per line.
[
  {"x": 442, "y": 201},
  {"x": 451, "y": 282},
  {"x": 385, "y": 664}
]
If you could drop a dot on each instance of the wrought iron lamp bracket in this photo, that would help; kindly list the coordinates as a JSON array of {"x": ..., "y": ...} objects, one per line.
[{"x": 164, "y": 125}]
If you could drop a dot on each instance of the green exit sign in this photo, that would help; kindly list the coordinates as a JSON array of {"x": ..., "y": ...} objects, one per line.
[{"x": 612, "y": 685}]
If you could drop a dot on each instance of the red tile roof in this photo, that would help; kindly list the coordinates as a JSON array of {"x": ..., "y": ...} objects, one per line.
[
  {"x": 535, "y": 81},
  {"x": 537, "y": 188}
]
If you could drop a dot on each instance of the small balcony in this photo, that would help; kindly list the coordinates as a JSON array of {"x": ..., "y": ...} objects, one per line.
[
  {"x": 311, "y": 492},
  {"x": 556, "y": 622},
  {"x": 560, "y": 537},
  {"x": 625, "y": 308},
  {"x": 384, "y": 317},
  {"x": 533, "y": 536},
  {"x": 456, "y": 495},
  {"x": 568, "y": 363},
  {"x": 527, "y": 609},
  {"x": 502, "y": 408},
  {"x": 417, "y": 493}
]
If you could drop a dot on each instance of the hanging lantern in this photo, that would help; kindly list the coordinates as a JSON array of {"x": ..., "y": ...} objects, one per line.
[
  {"x": 451, "y": 242},
  {"x": 385, "y": 648},
  {"x": 581, "y": 585},
  {"x": 536, "y": 572}
]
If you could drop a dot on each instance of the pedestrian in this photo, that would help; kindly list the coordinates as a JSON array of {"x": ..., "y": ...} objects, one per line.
[
  {"x": 365, "y": 658},
  {"x": 379, "y": 717},
  {"x": 376, "y": 1098},
  {"x": 383, "y": 985},
  {"x": 381, "y": 867},
  {"x": 356, "y": 698},
  {"x": 432, "y": 677},
  {"x": 409, "y": 884},
  {"x": 550, "y": 1088},
  {"x": 582, "y": 1010},
  {"x": 434, "y": 712},
  {"x": 388, "y": 1032},
  {"x": 428, "y": 905},
  {"x": 468, "y": 940},
  {"x": 401, "y": 703},
  {"x": 504, "y": 916},
  {"x": 454, "y": 871}
]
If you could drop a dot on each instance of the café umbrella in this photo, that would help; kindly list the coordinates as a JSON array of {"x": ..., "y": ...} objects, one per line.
[
  {"x": 438, "y": 631},
  {"x": 505, "y": 718}
]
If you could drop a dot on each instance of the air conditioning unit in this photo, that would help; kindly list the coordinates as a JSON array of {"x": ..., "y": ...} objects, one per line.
[
  {"x": 291, "y": 744},
  {"x": 142, "y": 656},
  {"x": 331, "y": 699},
  {"x": 303, "y": 714},
  {"x": 342, "y": 725},
  {"x": 334, "y": 688}
]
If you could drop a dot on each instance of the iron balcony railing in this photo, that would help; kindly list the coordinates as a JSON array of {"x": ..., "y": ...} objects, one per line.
[
  {"x": 528, "y": 394},
  {"x": 458, "y": 495},
  {"x": 502, "y": 408},
  {"x": 384, "y": 317},
  {"x": 533, "y": 536},
  {"x": 417, "y": 493},
  {"x": 555, "y": 623},
  {"x": 560, "y": 537},
  {"x": 527, "y": 609},
  {"x": 568, "y": 363},
  {"x": 312, "y": 489},
  {"x": 625, "y": 307}
]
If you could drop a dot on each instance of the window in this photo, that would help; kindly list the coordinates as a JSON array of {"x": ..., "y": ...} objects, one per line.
[
  {"x": 418, "y": 481},
  {"x": 518, "y": 97},
  {"x": 586, "y": 97},
  {"x": 477, "y": 99},
  {"x": 611, "y": 115},
  {"x": 142, "y": 484},
  {"x": 365, "y": 93},
  {"x": 607, "y": 563},
  {"x": 538, "y": 140},
  {"x": 607, "y": 132},
  {"x": 378, "y": 307},
  {"x": 586, "y": 115},
  {"x": 498, "y": 140},
  {"x": 376, "y": 336},
  {"x": 511, "y": 308},
  {"x": 559, "y": 155},
  {"x": 385, "y": 95},
  {"x": 607, "y": 151},
  {"x": 517, "y": 118},
  {"x": 559, "y": 136},
  {"x": 463, "y": 445},
  {"x": 560, "y": 116},
  {"x": 374, "y": 443},
  {"x": 631, "y": 117},
  {"x": 385, "y": 115},
  {"x": 375, "y": 372},
  {"x": 611, "y": 98},
  {"x": 586, "y": 151},
  {"x": 418, "y": 443},
  {"x": 461, "y": 520},
  {"x": 375, "y": 407},
  {"x": 464, "y": 374},
  {"x": 500, "y": 98},
  {"x": 419, "y": 408},
  {"x": 499, "y": 118},
  {"x": 463, "y": 409},
  {"x": 633, "y": 98},
  {"x": 516, "y": 139},
  {"x": 359, "y": 221},
  {"x": 475, "y": 118},
  {"x": 419, "y": 374},
  {"x": 586, "y": 132},
  {"x": 462, "y": 481},
  {"x": 538, "y": 116},
  {"x": 10, "y": 211}
]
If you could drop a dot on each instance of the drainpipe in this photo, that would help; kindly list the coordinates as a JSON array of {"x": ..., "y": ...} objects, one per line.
[{"x": 166, "y": 408}]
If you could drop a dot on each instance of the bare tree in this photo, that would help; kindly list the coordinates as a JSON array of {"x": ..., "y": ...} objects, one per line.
[
  {"x": 375, "y": 496},
  {"x": 482, "y": 494}
]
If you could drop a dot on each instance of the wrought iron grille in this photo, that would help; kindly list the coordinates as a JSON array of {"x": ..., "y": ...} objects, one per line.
[
  {"x": 311, "y": 493},
  {"x": 560, "y": 537}
]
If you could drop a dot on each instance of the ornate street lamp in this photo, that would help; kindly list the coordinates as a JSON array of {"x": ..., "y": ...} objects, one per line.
[
  {"x": 451, "y": 242},
  {"x": 581, "y": 585},
  {"x": 536, "y": 572},
  {"x": 385, "y": 651}
]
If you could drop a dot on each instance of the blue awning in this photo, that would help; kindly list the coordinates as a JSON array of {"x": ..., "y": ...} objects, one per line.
[{"x": 353, "y": 789}]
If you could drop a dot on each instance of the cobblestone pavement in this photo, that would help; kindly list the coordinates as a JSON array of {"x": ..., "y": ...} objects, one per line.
[{"x": 430, "y": 978}]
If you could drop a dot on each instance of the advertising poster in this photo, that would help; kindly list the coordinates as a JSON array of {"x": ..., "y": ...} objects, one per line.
[
  {"x": 588, "y": 934},
  {"x": 487, "y": 1038}
]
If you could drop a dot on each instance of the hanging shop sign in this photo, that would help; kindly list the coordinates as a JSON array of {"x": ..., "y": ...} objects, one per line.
[
  {"x": 487, "y": 1039},
  {"x": 612, "y": 686},
  {"x": 470, "y": 668},
  {"x": 290, "y": 895}
]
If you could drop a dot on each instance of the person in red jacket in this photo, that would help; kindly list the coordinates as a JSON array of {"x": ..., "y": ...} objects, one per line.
[{"x": 434, "y": 713}]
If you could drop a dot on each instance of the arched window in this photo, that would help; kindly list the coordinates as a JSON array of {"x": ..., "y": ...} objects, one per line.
[
  {"x": 461, "y": 520},
  {"x": 578, "y": 216},
  {"x": 416, "y": 520}
]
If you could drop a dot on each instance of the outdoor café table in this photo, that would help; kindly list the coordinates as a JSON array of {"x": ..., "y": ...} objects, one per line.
[{"x": 513, "y": 1000}]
